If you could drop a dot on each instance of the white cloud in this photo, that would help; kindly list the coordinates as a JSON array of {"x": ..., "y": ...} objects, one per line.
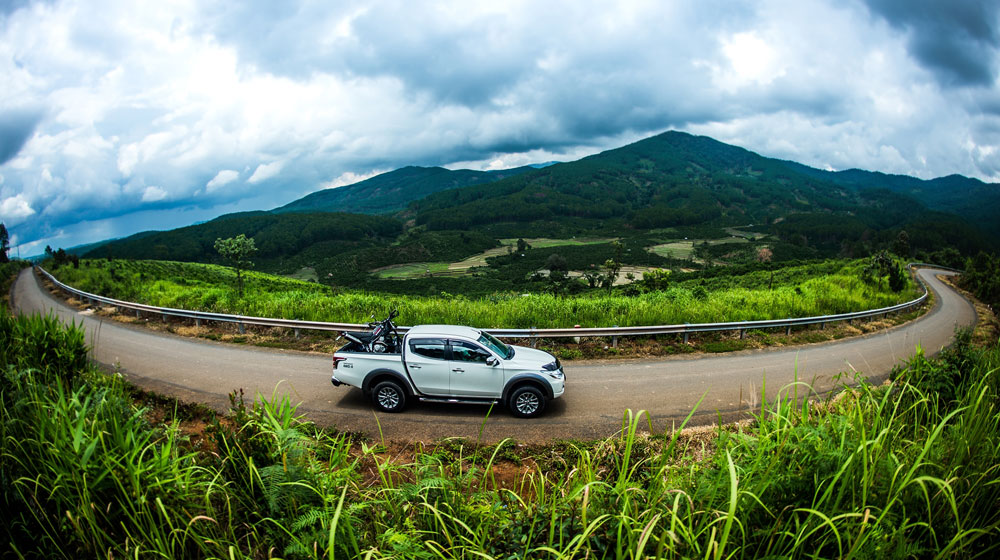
[
  {"x": 750, "y": 61},
  {"x": 222, "y": 178},
  {"x": 265, "y": 171},
  {"x": 350, "y": 178},
  {"x": 14, "y": 209},
  {"x": 132, "y": 94},
  {"x": 153, "y": 194}
]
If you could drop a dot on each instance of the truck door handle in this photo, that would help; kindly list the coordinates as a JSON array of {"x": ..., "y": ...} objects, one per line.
[
  {"x": 413, "y": 366},
  {"x": 458, "y": 370}
]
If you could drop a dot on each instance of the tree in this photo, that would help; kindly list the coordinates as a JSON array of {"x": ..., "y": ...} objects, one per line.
[
  {"x": 592, "y": 276},
  {"x": 613, "y": 266},
  {"x": 897, "y": 278},
  {"x": 237, "y": 250},
  {"x": 522, "y": 246},
  {"x": 879, "y": 265},
  {"x": 4, "y": 244},
  {"x": 558, "y": 272},
  {"x": 764, "y": 255},
  {"x": 901, "y": 246}
]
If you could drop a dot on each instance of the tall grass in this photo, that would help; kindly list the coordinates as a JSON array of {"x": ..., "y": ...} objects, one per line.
[
  {"x": 902, "y": 470},
  {"x": 209, "y": 288}
]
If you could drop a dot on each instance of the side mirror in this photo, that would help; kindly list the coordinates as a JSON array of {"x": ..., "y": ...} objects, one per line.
[{"x": 491, "y": 361}]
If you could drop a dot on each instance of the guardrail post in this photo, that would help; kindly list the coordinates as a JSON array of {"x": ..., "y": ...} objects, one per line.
[
  {"x": 614, "y": 339},
  {"x": 164, "y": 317},
  {"x": 686, "y": 336},
  {"x": 241, "y": 329},
  {"x": 197, "y": 322},
  {"x": 743, "y": 333},
  {"x": 788, "y": 330},
  {"x": 138, "y": 315},
  {"x": 298, "y": 333}
]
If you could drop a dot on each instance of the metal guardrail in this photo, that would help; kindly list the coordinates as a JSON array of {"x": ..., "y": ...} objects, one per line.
[{"x": 533, "y": 334}]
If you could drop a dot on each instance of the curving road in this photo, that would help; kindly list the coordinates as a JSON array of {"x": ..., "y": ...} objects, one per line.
[{"x": 597, "y": 393}]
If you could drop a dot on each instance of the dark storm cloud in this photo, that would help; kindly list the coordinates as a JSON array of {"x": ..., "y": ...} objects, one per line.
[
  {"x": 956, "y": 39},
  {"x": 16, "y": 127}
]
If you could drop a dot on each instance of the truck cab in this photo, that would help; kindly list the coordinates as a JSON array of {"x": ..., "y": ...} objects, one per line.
[{"x": 456, "y": 364}]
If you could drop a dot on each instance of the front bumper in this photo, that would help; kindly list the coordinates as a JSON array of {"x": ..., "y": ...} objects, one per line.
[{"x": 558, "y": 387}]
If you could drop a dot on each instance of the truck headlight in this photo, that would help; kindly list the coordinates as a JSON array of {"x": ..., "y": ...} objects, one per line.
[{"x": 558, "y": 374}]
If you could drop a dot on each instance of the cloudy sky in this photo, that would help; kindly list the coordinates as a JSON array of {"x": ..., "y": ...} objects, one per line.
[{"x": 122, "y": 116}]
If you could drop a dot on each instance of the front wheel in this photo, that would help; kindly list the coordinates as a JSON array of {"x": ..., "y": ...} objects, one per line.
[
  {"x": 527, "y": 402},
  {"x": 388, "y": 396}
]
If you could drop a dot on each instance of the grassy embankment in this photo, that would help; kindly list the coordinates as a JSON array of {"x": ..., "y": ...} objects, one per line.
[
  {"x": 904, "y": 470},
  {"x": 816, "y": 289}
]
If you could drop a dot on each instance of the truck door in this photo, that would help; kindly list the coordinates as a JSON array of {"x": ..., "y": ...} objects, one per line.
[
  {"x": 426, "y": 360},
  {"x": 470, "y": 375}
]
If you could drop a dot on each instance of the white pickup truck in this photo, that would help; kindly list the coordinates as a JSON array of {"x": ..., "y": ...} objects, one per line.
[{"x": 446, "y": 363}]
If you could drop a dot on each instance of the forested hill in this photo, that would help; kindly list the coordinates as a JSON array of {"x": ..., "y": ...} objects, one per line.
[
  {"x": 970, "y": 198},
  {"x": 667, "y": 180},
  {"x": 392, "y": 191},
  {"x": 677, "y": 179},
  {"x": 277, "y": 236}
]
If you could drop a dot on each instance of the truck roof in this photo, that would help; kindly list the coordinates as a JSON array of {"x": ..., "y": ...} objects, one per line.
[{"x": 444, "y": 330}]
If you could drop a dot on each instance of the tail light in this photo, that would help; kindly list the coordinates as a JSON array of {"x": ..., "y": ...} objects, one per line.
[{"x": 337, "y": 360}]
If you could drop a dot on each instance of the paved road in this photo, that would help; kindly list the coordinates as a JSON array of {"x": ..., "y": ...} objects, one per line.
[{"x": 597, "y": 393}]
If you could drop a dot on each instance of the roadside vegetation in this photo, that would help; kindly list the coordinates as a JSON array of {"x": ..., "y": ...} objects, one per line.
[
  {"x": 91, "y": 468},
  {"x": 982, "y": 278},
  {"x": 796, "y": 291}
]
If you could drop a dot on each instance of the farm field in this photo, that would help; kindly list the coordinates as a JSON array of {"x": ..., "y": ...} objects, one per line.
[
  {"x": 424, "y": 269},
  {"x": 684, "y": 249},
  {"x": 816, "y": 289},
  {"x": 411, "y": 270}
]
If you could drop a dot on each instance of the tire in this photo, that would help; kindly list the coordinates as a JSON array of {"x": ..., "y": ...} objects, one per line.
[
  {"x": 526, "y": 402},
  {"x": 389, "y": 396}
]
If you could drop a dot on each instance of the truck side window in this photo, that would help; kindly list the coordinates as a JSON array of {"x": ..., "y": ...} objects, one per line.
[
  {"x": 467, "y": 352},
  {"x": 429, "y": 348}
]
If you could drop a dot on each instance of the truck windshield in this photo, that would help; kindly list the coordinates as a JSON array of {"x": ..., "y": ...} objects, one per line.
[{"x": 491, "y": 342}]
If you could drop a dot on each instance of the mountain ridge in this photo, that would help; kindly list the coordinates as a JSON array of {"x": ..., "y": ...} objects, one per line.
[
  {"x": 672, "y": 182},
  {"x": 392, "y": 191}
]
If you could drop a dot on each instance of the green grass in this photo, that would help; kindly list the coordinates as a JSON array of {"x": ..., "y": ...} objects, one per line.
[
  {"x": 798, "y": 291},
  {"x": 411, "y": 270},
  {"x": 903, "y": 470},
  {"x": 684, "y": 249},
  {"x": 543, "y": 242},
  {"x": 306, "y": 274}
]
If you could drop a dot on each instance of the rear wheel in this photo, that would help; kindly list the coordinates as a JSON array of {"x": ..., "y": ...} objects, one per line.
[
  {"x": 389, "y": 396},
  {"x": 527, "y": 402}
]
